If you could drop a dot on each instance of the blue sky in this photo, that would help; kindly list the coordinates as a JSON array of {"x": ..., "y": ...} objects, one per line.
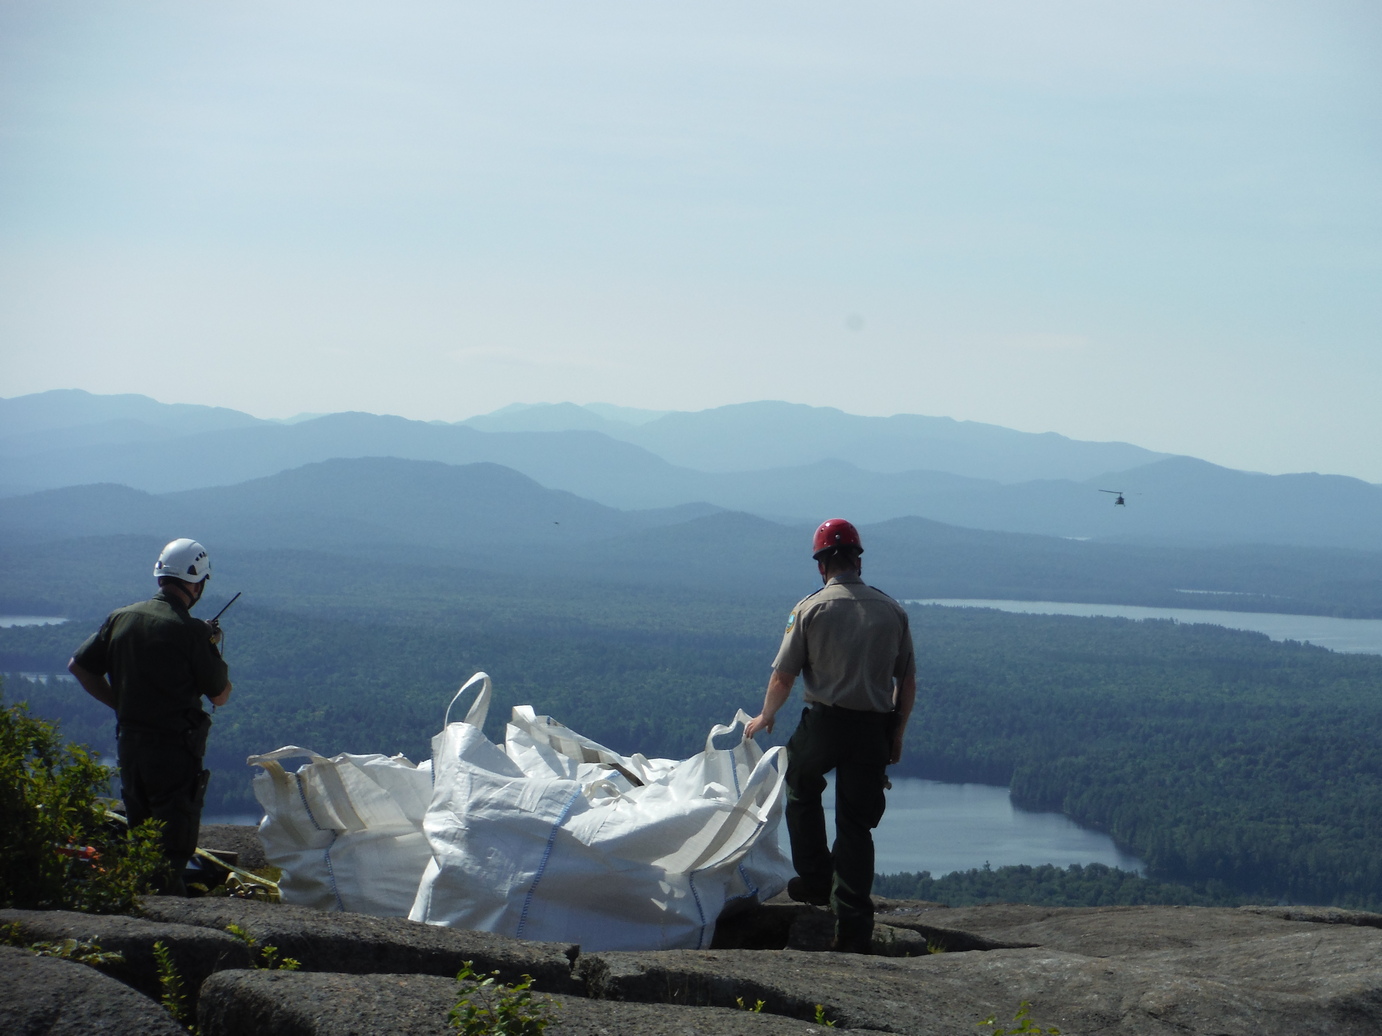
[{"x": 1153, "y": 222}]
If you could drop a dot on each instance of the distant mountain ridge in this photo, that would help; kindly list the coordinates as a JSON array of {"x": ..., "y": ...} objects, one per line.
[
  {"x": 343, "y": 504},
  {"x": 136, "y": 442},
  {"x": 772, "y": 434},
  {"x": 424, "y": 518},
  {"x": 742, "y": 437},
  {"x": 73, "y": 408}
]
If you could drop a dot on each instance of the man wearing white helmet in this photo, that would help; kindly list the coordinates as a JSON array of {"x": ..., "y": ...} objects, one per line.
[{"x": 153, "y": 663}]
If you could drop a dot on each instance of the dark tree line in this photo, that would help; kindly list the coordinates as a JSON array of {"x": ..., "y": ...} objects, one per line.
[{"x": 1224, "y": 760}]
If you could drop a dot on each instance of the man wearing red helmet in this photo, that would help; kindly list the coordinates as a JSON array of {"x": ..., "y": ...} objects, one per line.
[{"x": 852, "y": 645}]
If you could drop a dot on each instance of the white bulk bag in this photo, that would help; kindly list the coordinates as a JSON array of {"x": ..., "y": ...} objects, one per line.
[
  {"x": 347, "y": 831},
  {"x": 557, "y": 838},
  {"x": 727, "y": 762}
]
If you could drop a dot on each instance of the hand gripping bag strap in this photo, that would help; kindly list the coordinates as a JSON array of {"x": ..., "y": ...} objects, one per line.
[
  {"x": 730, "y": 767},
  {"x": 479, "y": 708}
]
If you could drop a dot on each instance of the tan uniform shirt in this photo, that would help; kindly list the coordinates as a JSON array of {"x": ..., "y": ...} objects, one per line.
[{"x": 848, "y": 641}]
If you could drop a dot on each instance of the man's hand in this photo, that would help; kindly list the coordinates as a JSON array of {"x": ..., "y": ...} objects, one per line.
[
  {"x": 905, "y": 698},
  {"x": 215, "y": 628},
  {"x": 760, "y": 724},
  {"x": 779, "y": 689},
  {"x": 895, "y": 755},
  {"x": 95, "y": 684}
]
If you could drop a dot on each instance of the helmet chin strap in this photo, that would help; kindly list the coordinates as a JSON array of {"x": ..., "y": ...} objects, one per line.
[{"x": 190, "y": 593}]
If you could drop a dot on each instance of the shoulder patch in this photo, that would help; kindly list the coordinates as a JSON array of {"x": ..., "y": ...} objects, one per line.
[{"x": 791, "y": 621}]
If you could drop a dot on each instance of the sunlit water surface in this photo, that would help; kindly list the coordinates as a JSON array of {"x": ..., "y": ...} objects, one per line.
[
  {"x": 938, "y": 827},
  {"x": 1356, "y": 636}
]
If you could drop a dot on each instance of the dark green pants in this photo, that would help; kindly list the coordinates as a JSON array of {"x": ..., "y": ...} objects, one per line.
[
  {"x": 856, "y": 746},
  {"x": 162, "y": 778}
]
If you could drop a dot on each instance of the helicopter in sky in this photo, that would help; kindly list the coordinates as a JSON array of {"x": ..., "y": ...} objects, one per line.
[{"x": 1119, "y": 502}]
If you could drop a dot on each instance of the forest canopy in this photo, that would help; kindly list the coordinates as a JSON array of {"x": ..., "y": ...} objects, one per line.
[{"x": 1214, "y": 755}]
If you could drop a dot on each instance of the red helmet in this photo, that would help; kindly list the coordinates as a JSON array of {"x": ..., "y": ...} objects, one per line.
[{"x": 835, "y": 533}]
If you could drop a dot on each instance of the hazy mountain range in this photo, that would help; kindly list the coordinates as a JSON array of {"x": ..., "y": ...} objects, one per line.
[
  {"x": 750, "y": 437},
  {"x": 325, "y": 521},
  {"x": 783, "y": 462}
]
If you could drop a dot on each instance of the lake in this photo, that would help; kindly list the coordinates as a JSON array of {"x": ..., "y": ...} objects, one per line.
[
  {"x": 938, "y": 827},
  {"x": 1360, "y": 636}
]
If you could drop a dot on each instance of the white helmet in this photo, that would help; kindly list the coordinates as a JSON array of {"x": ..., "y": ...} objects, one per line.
[{"x": 184, "y": 559}]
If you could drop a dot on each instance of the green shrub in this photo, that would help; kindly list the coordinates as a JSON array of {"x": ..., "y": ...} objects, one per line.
[
  {"x": 79, "y": 951},
  {"x": 487, "y": 1007},
  {"x": 58, "y": 850}
]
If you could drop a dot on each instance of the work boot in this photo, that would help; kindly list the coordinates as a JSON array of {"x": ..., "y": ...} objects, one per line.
[
  {"x": 852, "y": 941},
  {"x": 804, "y": 891}
]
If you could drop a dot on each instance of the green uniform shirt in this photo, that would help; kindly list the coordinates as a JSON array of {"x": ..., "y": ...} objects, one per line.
[
  {"x": 159, "y": 660},
  {"x": 848, "y": 641}
]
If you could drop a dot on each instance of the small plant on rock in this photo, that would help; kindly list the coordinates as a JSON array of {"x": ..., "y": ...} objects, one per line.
[
  {"x": 1023, "y": 1018},
  {"x": 488, "y": 1007},
  {"x": 263, "y": 958},
  {"x": 172, "y": 990},
  {"x": 757, "y": 1008},
  {"x": 76, "y": 950}
]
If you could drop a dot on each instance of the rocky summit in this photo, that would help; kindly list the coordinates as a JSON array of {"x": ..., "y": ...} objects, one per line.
[{"x": 1253, "y": 971}]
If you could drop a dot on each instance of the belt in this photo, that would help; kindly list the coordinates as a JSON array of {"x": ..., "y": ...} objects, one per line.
[{"x": 820, "y": 706}]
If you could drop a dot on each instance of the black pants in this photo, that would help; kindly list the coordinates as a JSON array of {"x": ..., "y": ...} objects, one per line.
[
  {"x": 856, "y": 746},
  {"x": 161, "y": 777}
]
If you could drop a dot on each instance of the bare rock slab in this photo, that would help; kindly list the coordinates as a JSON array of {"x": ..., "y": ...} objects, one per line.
[
  {"x": 359, "y": 944},
  {"x": 1120, "y": 931},
  {"x": 943, "y": 994},
  {"x": 323, "y": 1004},
  {"x": 196, "y": 952},
  {"x": 1318, "y": 915},
  {"x": 43, "y": 996}
]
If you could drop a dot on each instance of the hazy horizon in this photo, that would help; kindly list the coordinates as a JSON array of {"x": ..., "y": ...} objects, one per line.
[
  {"x": 1152, "y": 223},
  {"x": 635, "y": 419}
]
